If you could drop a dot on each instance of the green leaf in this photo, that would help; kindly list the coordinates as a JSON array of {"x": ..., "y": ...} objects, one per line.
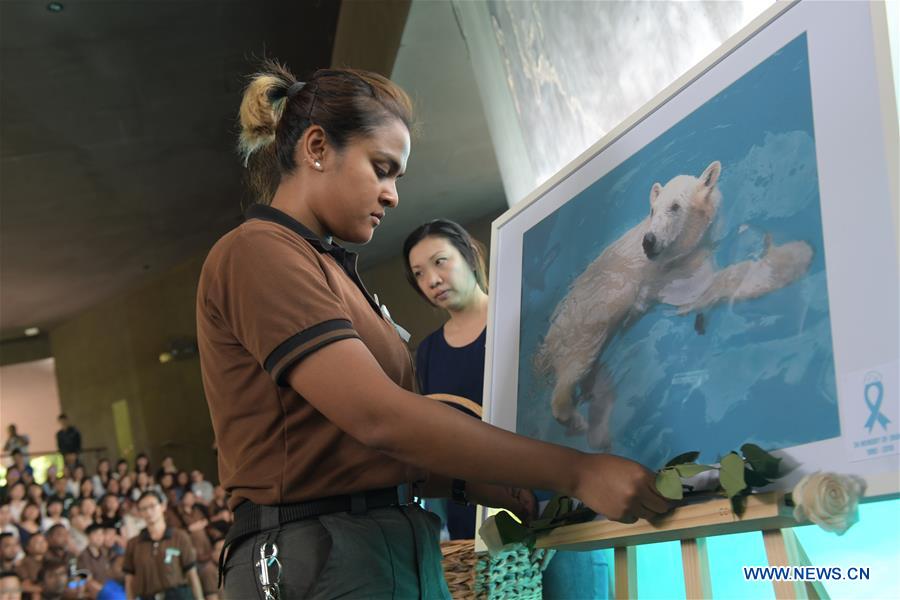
[
  {"x": 511, "y": 531},
  {"x": 739, "y": 504},
  {"x": 553, "y": 508},
  {"x": 755, "y": 479},
  {"x": 685, "y": 470},
  {"x": 731, "y": 474},
  {"x": 582, "y": 514},
  {"x": 762, "y": 462},
  {"x": 669, "y": 484},
  {"x": 687, "y": 457}
]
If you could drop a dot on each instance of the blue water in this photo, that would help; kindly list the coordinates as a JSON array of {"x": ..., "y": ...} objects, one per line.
[{"x": 763, "y": 371}]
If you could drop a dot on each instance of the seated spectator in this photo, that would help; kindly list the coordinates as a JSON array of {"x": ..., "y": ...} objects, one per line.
[
  {"x": 132, "y": 522},
  {"x": 61, "y": 492},
  {"x": 78, "y": 474},
  {"x": 95, "y": 558},
  {"x": 10, "y": 586},
  {"x": 87, "y": 507},
  {"x": 53, "y": 579},
  {"x": 219, "y": 500},
  {"x": 17, "y": 499},
  {"x": 52, "y": 476},
  {"x": 143, "y": 483},
  {"x": 114, "y": 488},
  {"x": 20, "y": 463},
  {"x": 182, "y": 482},
  {"x": 80, "y": 521},
  {"x": 121, "y": 469},
  {"x": 166, "y": 482},
  {"x": 219, "y": 524},
  {"x": 6, "y": 520},
  {"x": 167, "y": 466},
  {"x": 109, "y": 510},
  {"x": 142, "y": 464},
  {"x": 35, "y": 494},
  {"x": 209, "y": 572},
  {"x": 102, "y": 477},
  {"x": 59, "y": 544},
  {"x": 10, "y": 552},
  {"x": 12, "y": 476},
  {"x": 30, "y": 523},
  {"x": 192, "y": 517},
  {"x": 29, "y": 569},
  {"x": 112, "y": 541},
  {"x": 86, "y": 489},
  {"x": 202, "y": 489},
  {"x": 54, "y": 515},
  {"x": 27, "y": 478}
]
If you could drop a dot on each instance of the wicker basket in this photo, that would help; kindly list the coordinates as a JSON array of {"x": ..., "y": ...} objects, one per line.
[
  {"x": 459, "y": 568},
  {"x": 511, "y": 575}
]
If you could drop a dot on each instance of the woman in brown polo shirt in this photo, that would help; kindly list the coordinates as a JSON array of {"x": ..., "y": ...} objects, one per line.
[{"x": 310, "y": 387}]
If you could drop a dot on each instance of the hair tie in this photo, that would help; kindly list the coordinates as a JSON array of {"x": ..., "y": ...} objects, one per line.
[{"x": 295, "y": 88}]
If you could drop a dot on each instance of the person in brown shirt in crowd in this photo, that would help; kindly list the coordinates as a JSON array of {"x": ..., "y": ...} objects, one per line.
[
  {"x": 29, "y": 568},
  {"x": 192, "y": 518},
  {"x": 95, "y": 559},
  {"x": 310, "y": 386},
  {"x": 9, "y": 552},
  {"x": 209, "y": 576},
  {"x": 160, "y": 560},
  {"x": 59, "y": 544}
]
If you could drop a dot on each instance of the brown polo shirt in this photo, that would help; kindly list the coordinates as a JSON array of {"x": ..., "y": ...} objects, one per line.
[
  {"x": 99, "y": 566},
  {"x": 158, "y": 566},
  {"x": 270, "y": 294},
  {"x": 29, "y": 569}
]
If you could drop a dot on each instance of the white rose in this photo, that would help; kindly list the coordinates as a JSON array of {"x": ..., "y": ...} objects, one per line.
[
  {"x": 828, "y": 500},
  {"x": 490, "y": 534}
]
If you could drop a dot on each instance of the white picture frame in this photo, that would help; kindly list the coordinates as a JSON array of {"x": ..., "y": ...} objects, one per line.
[{"x": 856, "y": 153}]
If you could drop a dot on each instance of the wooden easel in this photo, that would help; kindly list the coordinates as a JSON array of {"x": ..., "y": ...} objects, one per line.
[{"x": 692, "y": 525}]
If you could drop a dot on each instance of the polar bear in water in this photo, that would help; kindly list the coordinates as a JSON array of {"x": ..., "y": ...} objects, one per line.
[{"x": 664, "y": 258}]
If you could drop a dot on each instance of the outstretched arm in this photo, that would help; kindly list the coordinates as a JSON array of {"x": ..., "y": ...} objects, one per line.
[{"x": 370, "y": 407}]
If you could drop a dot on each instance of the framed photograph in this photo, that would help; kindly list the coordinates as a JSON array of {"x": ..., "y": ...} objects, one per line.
[{"x": 723, "y": 267}]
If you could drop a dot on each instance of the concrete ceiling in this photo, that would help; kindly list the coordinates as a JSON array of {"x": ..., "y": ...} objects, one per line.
[{"x": 117, "y": 123}]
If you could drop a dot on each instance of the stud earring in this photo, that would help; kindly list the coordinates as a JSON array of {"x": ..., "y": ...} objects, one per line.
[{"x": 318, "y": 165}]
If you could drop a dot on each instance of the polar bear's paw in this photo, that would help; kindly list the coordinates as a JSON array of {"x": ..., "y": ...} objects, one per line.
[{"x": 576, "y": 425}]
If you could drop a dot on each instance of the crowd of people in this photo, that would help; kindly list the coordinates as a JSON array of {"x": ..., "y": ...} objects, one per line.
[{"x": 80, "y": 534}]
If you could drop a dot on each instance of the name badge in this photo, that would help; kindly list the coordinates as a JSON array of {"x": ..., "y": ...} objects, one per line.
[{"x": 170, "y": 554}]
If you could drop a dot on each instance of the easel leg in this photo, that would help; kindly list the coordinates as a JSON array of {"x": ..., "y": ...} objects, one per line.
[
  {"x": 797, "y": 556},
  {"x": 695, "y": 561},
  {"x": 626, "y": 573},
  {"x": 784, "y": 549}
]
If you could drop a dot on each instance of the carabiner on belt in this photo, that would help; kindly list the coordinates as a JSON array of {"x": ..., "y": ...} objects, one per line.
[{"x": 268, "y": 558}]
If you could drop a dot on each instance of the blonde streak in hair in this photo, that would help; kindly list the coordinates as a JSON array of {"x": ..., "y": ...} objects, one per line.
[{"x": 259, "y": 115}]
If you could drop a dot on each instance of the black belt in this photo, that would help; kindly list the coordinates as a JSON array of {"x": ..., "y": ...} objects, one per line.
[{"x": 252, "y": 518}]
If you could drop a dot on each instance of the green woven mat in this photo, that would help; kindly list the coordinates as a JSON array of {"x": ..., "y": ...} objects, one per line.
[{"x": 513, "y": 574}]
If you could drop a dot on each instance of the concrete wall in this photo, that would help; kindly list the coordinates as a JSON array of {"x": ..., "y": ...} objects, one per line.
[
  {"x": 29, "y": 399},
  {"x": 111, "y": 353}
]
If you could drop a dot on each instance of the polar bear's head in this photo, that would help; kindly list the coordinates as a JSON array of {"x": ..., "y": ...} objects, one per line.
[{"x": 680, "y": 213}]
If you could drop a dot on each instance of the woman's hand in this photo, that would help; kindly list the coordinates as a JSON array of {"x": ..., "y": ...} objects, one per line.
[
  {"x": 518, "y": 501},
  {"x": 618, "y": 488}
]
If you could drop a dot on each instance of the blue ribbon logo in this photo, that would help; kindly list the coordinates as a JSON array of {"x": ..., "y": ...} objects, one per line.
[{"x": 873, "y": 394}]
